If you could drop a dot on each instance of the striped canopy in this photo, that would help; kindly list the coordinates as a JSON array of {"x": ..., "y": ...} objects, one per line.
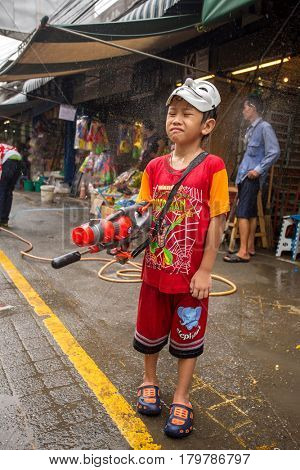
[
  {"x": 55, "y": 50},
  {"x": 149, "y": 9}
]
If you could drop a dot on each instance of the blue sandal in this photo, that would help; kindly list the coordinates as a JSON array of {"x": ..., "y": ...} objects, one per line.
[
  {"x": 180, "y": 421},
  {"x": 149, "y": 402}
]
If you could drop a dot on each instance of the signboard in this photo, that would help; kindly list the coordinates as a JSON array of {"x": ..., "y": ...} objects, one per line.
[{"x": 67, "y": 112}]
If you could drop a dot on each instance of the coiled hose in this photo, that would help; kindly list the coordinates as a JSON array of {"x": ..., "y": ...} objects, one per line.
[{"x": 122, "y": 274}]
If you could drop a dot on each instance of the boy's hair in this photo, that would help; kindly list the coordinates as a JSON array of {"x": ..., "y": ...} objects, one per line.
[
  {"x": 255, "y": 101},
  {"x": 212, "y": 114}
]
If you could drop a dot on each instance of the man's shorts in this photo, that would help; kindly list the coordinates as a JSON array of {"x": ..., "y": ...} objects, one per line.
[
  {"x": 247, "y": 198},
  {"x": 178, "y": 317}
]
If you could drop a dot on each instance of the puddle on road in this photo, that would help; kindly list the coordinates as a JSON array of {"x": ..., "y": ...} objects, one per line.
[{"x": 14, "y": 432}]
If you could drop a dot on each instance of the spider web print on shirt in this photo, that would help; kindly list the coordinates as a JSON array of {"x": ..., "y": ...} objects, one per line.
[{"x": 182, "y": 224}]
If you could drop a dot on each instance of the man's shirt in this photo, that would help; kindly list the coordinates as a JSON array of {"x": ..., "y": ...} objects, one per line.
[{"x": 262, "y": 150}]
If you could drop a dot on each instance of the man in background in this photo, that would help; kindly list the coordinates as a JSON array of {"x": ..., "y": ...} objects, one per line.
[{"x": 261, "y": 152}]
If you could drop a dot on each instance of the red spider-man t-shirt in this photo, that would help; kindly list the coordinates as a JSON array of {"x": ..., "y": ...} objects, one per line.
[{"x": 175, "y": 255}]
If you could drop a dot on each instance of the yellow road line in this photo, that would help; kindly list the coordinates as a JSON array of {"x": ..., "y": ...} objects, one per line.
[{"x": 132, "y": 428}]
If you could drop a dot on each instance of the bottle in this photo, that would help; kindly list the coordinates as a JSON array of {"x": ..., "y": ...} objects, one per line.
[{"x": 82, "y": 194}]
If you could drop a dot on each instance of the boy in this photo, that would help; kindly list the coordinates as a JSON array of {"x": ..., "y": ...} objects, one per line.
[{"x": 177, "y": 266}]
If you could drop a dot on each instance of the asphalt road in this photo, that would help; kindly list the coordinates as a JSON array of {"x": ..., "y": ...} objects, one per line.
[{"x": 68, "y": 372}]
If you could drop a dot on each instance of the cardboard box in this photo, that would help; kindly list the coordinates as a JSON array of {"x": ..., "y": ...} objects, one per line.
[
  {"x": 96, "y": 204},
  {"x": 106, "y": 211}
]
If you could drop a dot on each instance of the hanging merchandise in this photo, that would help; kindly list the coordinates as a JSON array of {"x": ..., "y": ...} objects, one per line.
[
  {"x": 82, "y": 125},
  {"x": 97, "y": 137},
  {"x": 87, "y": 164},
  {"x": 125, "y": 139},
  {"x": 103, "y": 171},
  {"x": 101, "y": 140},
  {"x": 137, "y": 140},
  {"x": 90, "y": 135}
]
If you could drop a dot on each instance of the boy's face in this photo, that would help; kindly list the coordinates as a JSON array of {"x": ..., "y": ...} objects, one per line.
[{"x": 184, "y": 122}]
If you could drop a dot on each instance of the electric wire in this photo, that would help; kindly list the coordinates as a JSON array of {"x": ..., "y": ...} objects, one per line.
[
  {"x": 61, "y": 9},
  {"x": 85, "y": 15},
  {"x": 74, "y": 9},
  {"x": 104, "y": 6}
]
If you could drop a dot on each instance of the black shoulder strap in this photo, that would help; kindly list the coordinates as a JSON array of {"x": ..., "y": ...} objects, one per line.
[{"x": 195, "y": 162}]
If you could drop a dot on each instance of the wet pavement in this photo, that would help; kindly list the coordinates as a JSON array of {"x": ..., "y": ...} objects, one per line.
[{"x": 246, "y": 386}]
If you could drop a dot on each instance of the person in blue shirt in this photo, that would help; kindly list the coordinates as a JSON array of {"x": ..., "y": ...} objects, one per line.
[{"x": 261, "y": 152}]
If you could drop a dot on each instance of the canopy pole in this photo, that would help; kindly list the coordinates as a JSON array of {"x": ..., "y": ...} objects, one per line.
[{"x": 128, "y": 49}]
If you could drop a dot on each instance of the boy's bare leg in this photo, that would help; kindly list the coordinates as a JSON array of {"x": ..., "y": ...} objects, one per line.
[
  {"x": 150, "y": 364},
  {"x": 186, "y": 369},
  {"x": 244, "y": 228},
  {"x": 251, "y": 242}
]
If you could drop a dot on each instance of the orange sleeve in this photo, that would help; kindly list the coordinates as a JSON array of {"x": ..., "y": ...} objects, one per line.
[
  {"x": 145, "y": 193},
  {"x": 219, "y": 194}
]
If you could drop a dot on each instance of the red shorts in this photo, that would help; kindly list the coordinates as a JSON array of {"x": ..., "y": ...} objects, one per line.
[{"x": 180, "y": 316}]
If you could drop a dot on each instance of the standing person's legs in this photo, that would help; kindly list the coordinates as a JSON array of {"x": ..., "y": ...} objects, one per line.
[
  {"x": 251, "y": 241},
  {"x": 244, "y": 229},
  {"x": 150, "y": 366},
  {"x": 152, "y": 331},
  {"x": 186, "y": 343},
  {"x": 246, "y": 213},
  {"x": 8, "y": 203},
  {"x": 186, "y": 369},
  {"x": 11, "y": 172},
  {"x": 4, "y": 186}
]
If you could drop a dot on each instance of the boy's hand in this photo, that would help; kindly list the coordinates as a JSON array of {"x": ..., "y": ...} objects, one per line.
[{"x": 201, "y": 284}]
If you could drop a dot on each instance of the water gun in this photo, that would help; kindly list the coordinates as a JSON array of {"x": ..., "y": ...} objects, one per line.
[{"x": 114, "y": 234}]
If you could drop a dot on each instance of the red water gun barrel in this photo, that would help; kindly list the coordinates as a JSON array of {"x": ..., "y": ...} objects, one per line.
[{"x": 104, "y": 232}]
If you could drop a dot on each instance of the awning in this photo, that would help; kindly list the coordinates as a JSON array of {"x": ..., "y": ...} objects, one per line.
[
  {"x": 54, "y": 51},
  {"x": 28, "y": 86},
  {"x": 20, "y": 103},
  {"x": 31, "y": 108},
  {"x": 149, "y": 9},
  {"x": 215, "y": 10}
]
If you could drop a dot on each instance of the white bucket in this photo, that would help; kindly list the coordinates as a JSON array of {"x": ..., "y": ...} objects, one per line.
[
  {"x": 61, "y": 192},
  {"x": 47, "y": 193}
]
